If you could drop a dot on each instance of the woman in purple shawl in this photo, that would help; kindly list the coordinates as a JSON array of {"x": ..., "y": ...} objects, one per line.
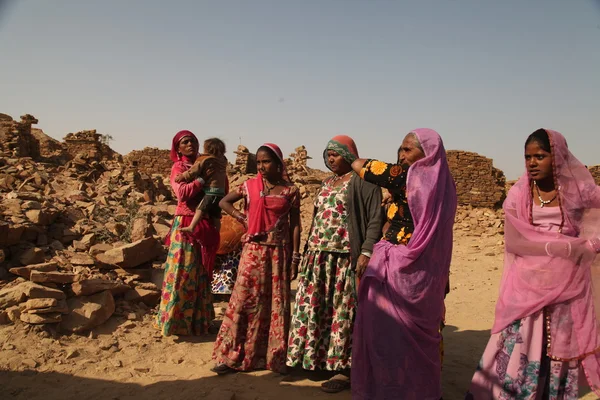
[{"x": 396, "y": 350}]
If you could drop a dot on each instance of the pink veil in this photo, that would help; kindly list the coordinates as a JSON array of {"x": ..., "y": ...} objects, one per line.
[
  {"x": 396, "y": 336},
  {"x": 567, "y": 288}
]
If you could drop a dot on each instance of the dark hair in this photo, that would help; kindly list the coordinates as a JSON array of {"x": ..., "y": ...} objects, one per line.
[
  {"x": 541, "y": 138},
  {"x": 214, "y": 147},
  {"x": 273, "y": 155}
]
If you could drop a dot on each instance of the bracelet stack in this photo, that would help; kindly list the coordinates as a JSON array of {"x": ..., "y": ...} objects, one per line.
[
  {"x": 296, "y": 257},
  {"x": 239, "y": 216}
]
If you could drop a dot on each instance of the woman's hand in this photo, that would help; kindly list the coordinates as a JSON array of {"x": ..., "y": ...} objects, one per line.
[
  {"x": 179, "y": 178},
  {"x": 240, "y": 217},
  {"x": 294, "y": 270},
  {"x": 296, "y": 257},
  {"x": 386, "y": 198},
  {"x": 361, "y": 265},
  {"x": 582, "y": 250}
]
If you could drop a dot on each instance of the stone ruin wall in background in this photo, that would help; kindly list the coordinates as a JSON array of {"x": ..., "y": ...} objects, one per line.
[
  {"x": 478, "y": 183},
  {"x": 16, "y": 139},
  {"x": 595, "y": 170},
  {"x": 150, "y": 160}
]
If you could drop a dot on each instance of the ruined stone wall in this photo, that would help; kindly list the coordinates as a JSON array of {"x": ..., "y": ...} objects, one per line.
[
  {"x": 595, "y": 170},
  {"x": 245, "y": 162},
  {"x": 88, "y": 145},
  {"x": 150, "y": 160},
  {"x": 16, "y": 139},
  {"x": 478, "y": 183}
]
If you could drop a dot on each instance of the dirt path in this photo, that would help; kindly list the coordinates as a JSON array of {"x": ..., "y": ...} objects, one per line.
[{"x": 128, "y": 359}]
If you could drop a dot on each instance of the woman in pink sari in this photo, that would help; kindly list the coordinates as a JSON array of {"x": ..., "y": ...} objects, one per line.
[
  {"x": 545, "y": 337},
  {"x": 257, "y": 321},
  {"x": 396, "y": 342}
]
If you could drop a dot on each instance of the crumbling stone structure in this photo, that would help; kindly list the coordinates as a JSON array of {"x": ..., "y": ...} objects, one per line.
[
  {"x": 478, "y": 183},
  {"x": 297, "y": 163},
  {"x": 16, "y": 139},
  {"x": 245, "y": 162},
  {"x": 88, "y": 145},
  {"x": 595, "y": 170},
  {"x": 150, "y": 160}
]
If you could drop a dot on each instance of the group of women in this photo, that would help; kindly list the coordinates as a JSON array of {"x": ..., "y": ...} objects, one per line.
[{"x": 374, "y": 273}]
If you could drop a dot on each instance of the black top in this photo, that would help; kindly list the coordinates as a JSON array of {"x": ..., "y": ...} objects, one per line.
[{"x": 393, "y": 178}]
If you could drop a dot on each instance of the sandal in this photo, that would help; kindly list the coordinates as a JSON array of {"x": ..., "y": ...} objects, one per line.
[
  {"x": 337, "y": 384},
  {"x": 222, "y": 369}
]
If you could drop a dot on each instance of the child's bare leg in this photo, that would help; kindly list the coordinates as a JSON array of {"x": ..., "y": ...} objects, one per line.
[{"x": 197, "y": 217}]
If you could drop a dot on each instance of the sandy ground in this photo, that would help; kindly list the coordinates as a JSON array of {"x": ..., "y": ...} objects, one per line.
[{"x": 127, "y": 359}]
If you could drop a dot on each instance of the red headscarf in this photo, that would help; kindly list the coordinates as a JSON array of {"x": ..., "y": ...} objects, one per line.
[{"x": 176, "y": 139}]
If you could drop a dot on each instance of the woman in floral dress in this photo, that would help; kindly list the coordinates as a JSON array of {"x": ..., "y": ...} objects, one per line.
[
  {"x": 545, "y": 337},
  {"x": 256, "y": 324},
  {"x": 346, "y": 224},
  {"x": 186, "y": 303}
]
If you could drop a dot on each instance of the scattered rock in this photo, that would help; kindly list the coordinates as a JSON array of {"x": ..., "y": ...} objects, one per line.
[
  {"x": 11, "y": 296},
  {"x": 25, "y": 272},
  {"x": 30, "y": 363},
  {"x": 33, "y": 255},
  {"x": 148, "y": 297},
  {"x": 87, "y": 312},
  {"x": 82, "y": 259},
  {"x": 72, "y": 354},
  {"x": 40, "y": 303},
  {"x": 35, "y": 291},
  {"x": 54, "y": 277},
  {"x": 91, "y": 286},
  {"x": 35, "y": 319},
  {"x": 131, "y": 255}
]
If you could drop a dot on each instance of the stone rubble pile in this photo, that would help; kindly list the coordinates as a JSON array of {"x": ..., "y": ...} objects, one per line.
[
  {"x": 481, "y": 222},
  {"x": 81, "y": 238},
  {"x": 84, "y": 241}
]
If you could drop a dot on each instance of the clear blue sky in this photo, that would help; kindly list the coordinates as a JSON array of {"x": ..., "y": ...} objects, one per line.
[{"x": 483, "y": 73}]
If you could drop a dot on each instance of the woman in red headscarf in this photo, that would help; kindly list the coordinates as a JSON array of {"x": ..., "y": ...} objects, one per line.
[
  {"x": 255, "y": 326},
  {"x": 186, "y": 304}
]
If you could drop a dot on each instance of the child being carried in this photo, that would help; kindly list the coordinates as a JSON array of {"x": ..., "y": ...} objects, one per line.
[{"x": 211, "y": 166}]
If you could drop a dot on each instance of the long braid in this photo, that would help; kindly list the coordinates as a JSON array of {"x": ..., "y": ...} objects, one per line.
[
  {"x": 531, "y": 202},
  {"x": 555, "y": 178}
]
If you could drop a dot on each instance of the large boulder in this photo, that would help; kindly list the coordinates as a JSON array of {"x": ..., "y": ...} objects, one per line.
[
  {"x": 87, "y": 312},
  {"x": 131, "y": 255}
]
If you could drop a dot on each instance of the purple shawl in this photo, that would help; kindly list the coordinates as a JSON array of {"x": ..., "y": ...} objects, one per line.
[{"x": 396, "y": 342}]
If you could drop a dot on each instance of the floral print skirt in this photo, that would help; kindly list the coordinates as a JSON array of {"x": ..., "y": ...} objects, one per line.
[
  {"x": 515, "y": 366},
  {"x": 255, "y": 326},
  {"x": 323, "y": 318},
  {"x": 186, "y": 303}
]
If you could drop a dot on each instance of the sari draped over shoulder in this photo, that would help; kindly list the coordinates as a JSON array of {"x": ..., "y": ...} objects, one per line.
[{"x": 401, "y": 296}]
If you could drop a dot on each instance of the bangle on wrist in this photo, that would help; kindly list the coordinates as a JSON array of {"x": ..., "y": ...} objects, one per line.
[
  {"x": 547, "y": 250},
  {"x": 595, "y": 242}
]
